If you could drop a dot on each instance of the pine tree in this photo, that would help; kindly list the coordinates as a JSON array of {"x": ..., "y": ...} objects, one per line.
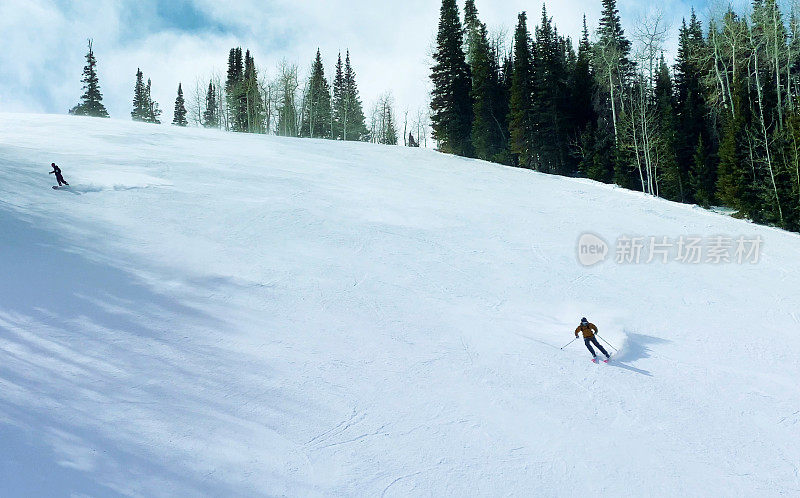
[
  {"x": 179, "y": 114},
  {"x": 487, "y": 134},
  {"x": 355, "y": 127},
  {"x": 210, "y": 116},
  {"x": 390, "y": 137},
  {"x": 451, "y": 105},
  {"x": 472, "y": 27},
  {"x": 612, "y": 69},
  {"x": 521, "y": 109},
  {"x": 251, "y": 103},
  {"x": 502, "y": 107},
  {"x": 91, "y": 100},
  {"x": 670, "y": 180},
  {"x": 339, "y": 111},
  {"x": 732, "y": 179},
  {"x": 234, "y": 91},
  {"x": 582, "y": 89},
  {"x": 612, "y": 47},
  {"x": 140, "y": 102},
  {"x": 549, "y": 99},
  {"x": 152, "y": 112},
  {"x": 691, "y": 111},
  {"x": 317, "y": 108},
  {"x": 702, "y": 180}
]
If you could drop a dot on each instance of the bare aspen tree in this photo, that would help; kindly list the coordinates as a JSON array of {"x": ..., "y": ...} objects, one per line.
[
  {"x": 197, "y": 101},
  {"x": 268, "y": 97},
  {"x": 419, "y": 126},
  {"x": 305, "y": 99},
  {"x": 379, "y": 120},
  {"x": 649, "y": 36},
  {"x": 778, "y": 34},
  {"x": 222, "y": 105},
  {"x": 286, "y": 85},
  {"x": 405, "y": 127},
  {"x": 722, "y": 98},
  {"x": 727, "y": 40},
  {"x": 606, "y": 71},
  {"x": 757, "y": 45},
  {"x": 791, "y": 54}
]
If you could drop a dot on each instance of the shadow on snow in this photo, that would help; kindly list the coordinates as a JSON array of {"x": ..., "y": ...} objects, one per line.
[
  {"x": 98, "y": 393},
  {"x": 636, "y": 347}
]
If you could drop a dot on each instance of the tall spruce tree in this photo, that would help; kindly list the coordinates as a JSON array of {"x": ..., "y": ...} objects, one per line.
[
  {"x": 488, "y": 134},
  {"x": 669, "y": 179},
  {"x": 521, "y": 108},
  {"x": 210, "y": 115},
  {"x": 234, "y": 91},
  {"x": 355, "y": 127},
  {"x": 451, "y": 106},
  {"x": 152, "y": 112},
  {"x": 251, "y": 102},
  {"x": 733, "y": 179},
  {"x": 140, "y": 102},
  {"x": 582, "y": 89},
  {"x": 92, "y": 100},
  {"x": 179, "y": 114},
  {"x": 339, "y": 109},
  {"x": 691, "y": 112},
  {"x": 702, "y": 180},
  {"x": 613, "y": 69},
  {"x": 317, "y": 106},
  {"x": 502, "y": 107},
  {"x": 471, "y": 29},
  {"x": 549, "y": 99}
]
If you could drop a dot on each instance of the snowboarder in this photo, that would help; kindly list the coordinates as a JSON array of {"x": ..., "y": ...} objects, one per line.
[
  {"x": 589, "y": 330},
  {"x": 60, "y": 179}
]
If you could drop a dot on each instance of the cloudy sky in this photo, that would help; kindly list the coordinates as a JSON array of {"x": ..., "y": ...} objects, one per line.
[{"x": 44, "y": 41}]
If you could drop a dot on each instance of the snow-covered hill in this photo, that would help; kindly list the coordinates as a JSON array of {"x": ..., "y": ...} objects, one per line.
[{"x": 218, "y": 314}]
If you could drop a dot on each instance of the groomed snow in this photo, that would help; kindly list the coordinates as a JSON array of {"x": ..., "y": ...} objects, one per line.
[{"x": 218, "y": 314}]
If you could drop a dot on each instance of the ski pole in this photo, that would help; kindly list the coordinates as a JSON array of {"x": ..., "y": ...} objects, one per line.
[
  {"x": 601, "y": 337},
  {"x": 570, "y": 342}
]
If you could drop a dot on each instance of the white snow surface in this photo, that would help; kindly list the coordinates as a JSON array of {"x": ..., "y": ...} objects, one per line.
[{"x": 208, "y": 313}]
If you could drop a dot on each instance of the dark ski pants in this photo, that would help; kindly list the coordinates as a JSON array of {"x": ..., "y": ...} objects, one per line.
[
  {"x": 60, "y": 179},
  {"x": 593, "y": 340}
]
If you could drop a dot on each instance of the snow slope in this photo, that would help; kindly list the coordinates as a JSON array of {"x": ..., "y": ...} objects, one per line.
[{"x": 218, "y": 314}]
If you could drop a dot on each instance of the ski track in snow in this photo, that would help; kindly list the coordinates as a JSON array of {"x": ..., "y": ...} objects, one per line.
[{"x": 236, "y": 315}]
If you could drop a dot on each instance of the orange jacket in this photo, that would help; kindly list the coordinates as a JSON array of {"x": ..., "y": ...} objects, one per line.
[{"x": 589, "y": 330}]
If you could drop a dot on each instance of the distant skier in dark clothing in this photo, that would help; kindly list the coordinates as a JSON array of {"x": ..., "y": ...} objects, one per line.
[
  {"x": 589, "y": 330},
  {"x": 60, "y": 179}
]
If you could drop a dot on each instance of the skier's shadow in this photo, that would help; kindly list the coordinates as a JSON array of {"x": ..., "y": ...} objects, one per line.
[
  {"x": 70, "y": 190},
  {"x": 636, "y": 347}
]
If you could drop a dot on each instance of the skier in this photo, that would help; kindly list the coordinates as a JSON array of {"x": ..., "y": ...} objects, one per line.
[
  {"x": 60, "y": 179},
  {"x": 589, "y": 330}
]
